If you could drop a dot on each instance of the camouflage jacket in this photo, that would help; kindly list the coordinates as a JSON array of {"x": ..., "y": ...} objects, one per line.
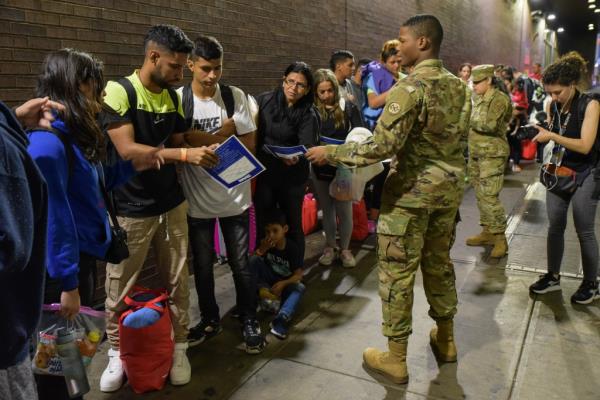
[
  {"x": 489, "y": 121},
  {"x": 424, "y": 120}
]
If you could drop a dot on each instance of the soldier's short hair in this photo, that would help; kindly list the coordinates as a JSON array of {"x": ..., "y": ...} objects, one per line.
[{"x": 426, "y": 25}]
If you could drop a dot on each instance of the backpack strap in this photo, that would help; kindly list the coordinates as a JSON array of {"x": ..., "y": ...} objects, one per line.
[
  {"x": 187, "y": 101},
  {"x": 131, "y": 97},
  {"x": 174, "y": 98},
  {"x": 227, "y": 96}
]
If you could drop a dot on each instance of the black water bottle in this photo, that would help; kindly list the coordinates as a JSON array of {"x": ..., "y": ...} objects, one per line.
[{"x": 72, "y": 364}]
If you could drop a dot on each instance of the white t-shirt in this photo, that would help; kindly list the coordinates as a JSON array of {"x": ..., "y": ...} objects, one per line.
[{"x": 206, "y": 198}]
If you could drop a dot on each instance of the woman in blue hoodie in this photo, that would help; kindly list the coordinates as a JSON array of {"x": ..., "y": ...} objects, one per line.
[{"x": 70, "y": 157}]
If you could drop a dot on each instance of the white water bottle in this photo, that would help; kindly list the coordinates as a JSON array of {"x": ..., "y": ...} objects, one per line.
[{"x": 72, "y": 364}]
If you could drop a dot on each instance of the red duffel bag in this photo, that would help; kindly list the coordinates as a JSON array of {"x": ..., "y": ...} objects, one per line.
[
  {"x": 147, "y": 352},
  {"x": 360, "y": 222},
  {"x": 528, "y": 149},
  {"x": 309, "y": 214}
]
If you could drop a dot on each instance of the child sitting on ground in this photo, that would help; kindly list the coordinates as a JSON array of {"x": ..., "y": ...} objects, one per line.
[{"x": 278, "y": 265}]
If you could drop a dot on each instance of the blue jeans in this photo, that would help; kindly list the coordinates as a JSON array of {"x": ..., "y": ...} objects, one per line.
[
  {"x": 235, "y": 234},
  {"x": 291, "y": 295}
]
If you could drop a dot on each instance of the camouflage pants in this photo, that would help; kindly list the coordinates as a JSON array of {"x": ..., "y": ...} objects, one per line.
[
  {"x": 487, "y": 177},
  {"x": 422, "y": 238}
]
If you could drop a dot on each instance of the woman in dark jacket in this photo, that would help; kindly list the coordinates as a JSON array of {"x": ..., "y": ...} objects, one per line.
[{"x": 286, "y": 118}]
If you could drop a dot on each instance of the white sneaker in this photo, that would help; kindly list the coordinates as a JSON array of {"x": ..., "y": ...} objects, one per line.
[
  {"x": 181, "y": 370},
  {"x": 328, "y": 256},
  {"x": 347, "y": 258},
  {"x": 112, "y": 377}
]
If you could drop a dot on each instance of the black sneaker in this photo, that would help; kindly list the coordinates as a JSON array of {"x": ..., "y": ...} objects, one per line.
[
  {"x": 546, "y": 283},
  {"x": 255, "y": 342},
  {"x": 279, "y": 327},
  {"x": 203, "y": 331},
  {"x": 587, "y": 292}
]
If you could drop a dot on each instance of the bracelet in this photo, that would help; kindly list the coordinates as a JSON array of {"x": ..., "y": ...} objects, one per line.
[{"x": 183, "y": 157}]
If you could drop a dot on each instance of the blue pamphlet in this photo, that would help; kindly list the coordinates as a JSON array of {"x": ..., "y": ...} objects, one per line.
[
  {"x": 286, "y": 152},
  {"x": 236, "y": 164},
  {"x": 329, "y": 140}
]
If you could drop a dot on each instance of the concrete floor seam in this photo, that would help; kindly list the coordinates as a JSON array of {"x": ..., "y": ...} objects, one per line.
[{"x": 522, "y": 357}]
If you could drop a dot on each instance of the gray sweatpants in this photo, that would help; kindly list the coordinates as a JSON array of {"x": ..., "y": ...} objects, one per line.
[
  {"x": 584, "y": 216},
  {"x": 333, "y": 208},
  {"x": 17, "y": 383}
]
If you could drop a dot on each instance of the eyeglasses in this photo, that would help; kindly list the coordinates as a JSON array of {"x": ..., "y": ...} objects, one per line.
[{"x": 293, "y": 84}]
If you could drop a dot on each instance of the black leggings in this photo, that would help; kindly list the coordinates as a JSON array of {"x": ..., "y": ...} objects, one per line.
[{"x": 584, "y": 216}]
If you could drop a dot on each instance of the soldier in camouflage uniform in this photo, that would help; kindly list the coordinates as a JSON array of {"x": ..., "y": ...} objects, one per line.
[
  {"x": 424, "y": 120},
  {"x": 488, "y": 152}
]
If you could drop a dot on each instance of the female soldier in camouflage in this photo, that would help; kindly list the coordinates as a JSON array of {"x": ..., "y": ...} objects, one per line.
[{"x": 488, "y": 151}]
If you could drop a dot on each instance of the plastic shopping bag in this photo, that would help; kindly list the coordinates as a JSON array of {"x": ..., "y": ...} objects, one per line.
[
  {"x": 89, "y": 326},
  {"x": 347, "y": 185}
]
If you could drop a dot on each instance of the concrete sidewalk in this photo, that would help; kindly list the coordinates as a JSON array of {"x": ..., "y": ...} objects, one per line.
[{"x": 511, "y": 345}]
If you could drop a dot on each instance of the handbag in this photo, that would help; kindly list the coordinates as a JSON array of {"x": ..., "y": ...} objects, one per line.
[
  {"x": 558, "y": 179},
  {"x": 118, "y": 249}
]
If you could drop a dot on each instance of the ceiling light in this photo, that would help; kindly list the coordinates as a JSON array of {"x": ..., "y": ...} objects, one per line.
[
  {"x": 591, "y": 1},
  {"x": 590, "y": 28},
  {"x": 597, "y": 10},
  {"x": 551, "y": 17},
  {"x": 592, "y": 6},
  {"x": 560, "y": 30}
]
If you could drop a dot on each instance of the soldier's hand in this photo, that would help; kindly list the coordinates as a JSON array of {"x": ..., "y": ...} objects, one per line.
[
  {"x": 203, "y": 156},
  {"x": 317, "y": 155}
]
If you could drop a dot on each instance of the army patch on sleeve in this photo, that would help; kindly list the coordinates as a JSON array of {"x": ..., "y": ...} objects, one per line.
[{"x": 394, "y": 108}]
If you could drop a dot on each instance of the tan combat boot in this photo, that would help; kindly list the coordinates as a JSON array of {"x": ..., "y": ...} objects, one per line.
[
  {"x": 485, "y": 237},
  {"x": 442, "y": 341},
  {"x": 391, "y": 364},
  {"x": 500, "y": 246}
]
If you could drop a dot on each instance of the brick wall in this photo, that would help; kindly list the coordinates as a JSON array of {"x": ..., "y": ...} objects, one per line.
[{"x": 260, "y": 37}]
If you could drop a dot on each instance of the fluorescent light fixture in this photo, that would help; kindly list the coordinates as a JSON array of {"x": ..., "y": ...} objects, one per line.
[
  {"x": 591, "y": 1},
  {"x": 592, "y": 6},
  {"x": 597, "y": 10},
  {"x": 560, "y": 30},
  {"x": 551, "y": 17}
]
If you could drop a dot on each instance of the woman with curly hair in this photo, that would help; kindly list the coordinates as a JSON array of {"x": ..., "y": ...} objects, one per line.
[{"x": 573, "y": 128}]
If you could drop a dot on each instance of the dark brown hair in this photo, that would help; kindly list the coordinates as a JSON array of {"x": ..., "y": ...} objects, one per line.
[
  {"x": 63, "y": 72},
  {"x": 567, "y": 70}
]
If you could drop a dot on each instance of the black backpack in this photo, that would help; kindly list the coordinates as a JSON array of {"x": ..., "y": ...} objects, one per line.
[{"x": 187, "y": 101}]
